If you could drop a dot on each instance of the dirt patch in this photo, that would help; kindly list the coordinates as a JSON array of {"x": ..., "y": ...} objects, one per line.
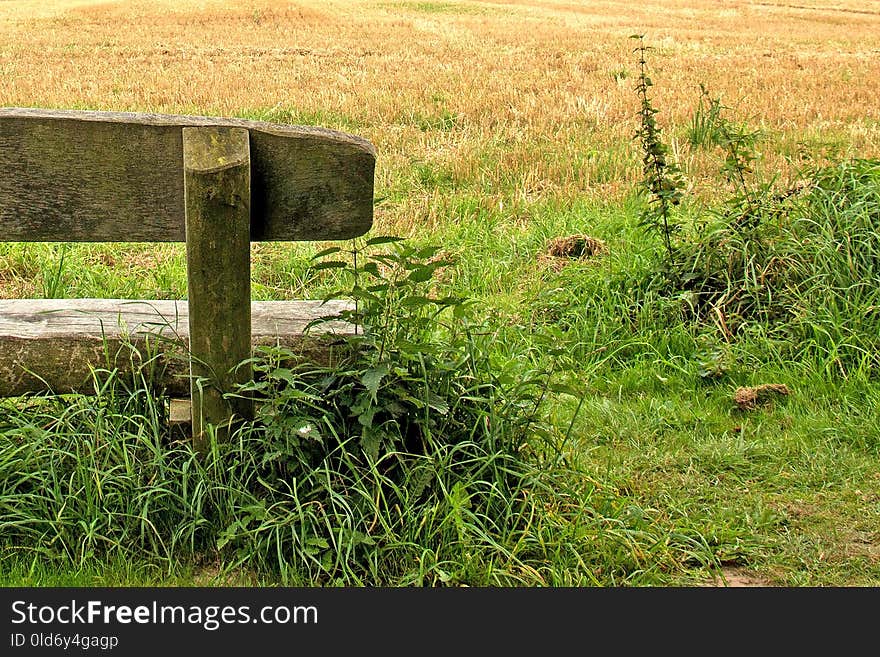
[
  {"x": 864, "y": 545},
  {"x": 739, "y": 577},
  {"x": 213, "y": 575}
]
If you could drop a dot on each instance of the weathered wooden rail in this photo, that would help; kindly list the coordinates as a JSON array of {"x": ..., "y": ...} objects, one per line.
[{"x": 216, "y": 184}]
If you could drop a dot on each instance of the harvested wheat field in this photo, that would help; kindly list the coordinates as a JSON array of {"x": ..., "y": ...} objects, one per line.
[{"x": 530, "y": 99}]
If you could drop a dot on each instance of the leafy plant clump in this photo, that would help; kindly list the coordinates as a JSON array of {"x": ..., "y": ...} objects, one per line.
[
  {"x": 413, "y": 458},
  {"x": 795, "y": 261},
  {"x": 410, "y": 443}
]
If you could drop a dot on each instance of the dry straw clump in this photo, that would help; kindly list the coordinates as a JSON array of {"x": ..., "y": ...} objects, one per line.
[
  {"x": 748, "y": 399},
  {"x": 561, "y": 251},
  {"x": 576, "y": 246}
]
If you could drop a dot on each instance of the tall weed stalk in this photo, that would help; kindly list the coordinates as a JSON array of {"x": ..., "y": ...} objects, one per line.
[{"x": 661, "y": 178}]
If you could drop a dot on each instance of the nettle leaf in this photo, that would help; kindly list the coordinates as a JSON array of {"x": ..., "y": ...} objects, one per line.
[
  {"x": 414, "y": 302},
  {"x": 329, "y": 264},
  {"x": 426, "y": 252},
  {"x": 326, "y": 252},
  {"x": 422, "y": 478},
  {"x": 372, "y": 378},
  {"x": 315, "y": 545},
  {"x": 396, "y": 409},
  {"x": 450, "y": 301},
  {"x": 284, "y": 374},
  {"x": 383, "y": 239},
  {"x": 361, "y": 403},
  {"x": 371, "y": 268},
  {"x": 371, "y": 441},
  {"x": 564, "y": 389},
  {"x": 438, "y": 403},
  {"x": 354, "y": 537},
  {"x": 255, "y": 511},
  {"x": 269, "y": 457},
  {"x": 228, "y": 535},
  {"x": 341, "y": 315},
  {"x": 365, "y": 417},
  {"x": 460, "y": 310},
  {"x": 421, "y": 274},
  {"x": 386, "y": 259},
  {"x": 405, "y": 346}
]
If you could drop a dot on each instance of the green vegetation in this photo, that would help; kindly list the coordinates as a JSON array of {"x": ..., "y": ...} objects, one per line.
[
  {"x": 514, "y": 414},
  {"x": 441, "y": 7}
]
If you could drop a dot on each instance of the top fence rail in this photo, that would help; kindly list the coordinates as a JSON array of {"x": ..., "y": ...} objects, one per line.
[{"x": 81, "y": 176}]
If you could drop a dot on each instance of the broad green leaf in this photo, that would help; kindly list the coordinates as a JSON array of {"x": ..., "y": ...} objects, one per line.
[
  {"x": 438, "y": 403},
  {"x": 326, "y": 252},
  {"x": 330, "y": 264},
  {"x": 383, "y": 239},
  {"x": 421, "y": 274},
  {"x": 413, "y": 302},
  {"x": 373, "y": 377},
  {"x": 370, "y": 443}
]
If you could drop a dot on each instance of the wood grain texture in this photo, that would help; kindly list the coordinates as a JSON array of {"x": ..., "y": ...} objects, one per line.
[
  {"x": 217, "y": 193},
  {"x": 77, "y": 176},
  {"x": 53, "y": 344}
]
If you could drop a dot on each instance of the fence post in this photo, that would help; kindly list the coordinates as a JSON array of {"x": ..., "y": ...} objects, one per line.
[{"x": 217, "y": 192}]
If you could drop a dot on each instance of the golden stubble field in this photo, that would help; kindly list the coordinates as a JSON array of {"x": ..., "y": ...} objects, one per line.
[{"x": 527, "y": 100}]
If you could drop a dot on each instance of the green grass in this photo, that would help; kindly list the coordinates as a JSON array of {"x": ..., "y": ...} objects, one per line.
[
  {"x": 573, "y": 424},
  {"x": 440, "y": 7},
  {"x": 24, "y": 568},
  {"x": 666, "y": 479},
  {"x": 760, "y": 487}
]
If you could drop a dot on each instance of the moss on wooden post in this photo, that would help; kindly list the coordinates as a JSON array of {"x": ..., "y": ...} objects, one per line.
[{"x": 217, "y": 191}]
